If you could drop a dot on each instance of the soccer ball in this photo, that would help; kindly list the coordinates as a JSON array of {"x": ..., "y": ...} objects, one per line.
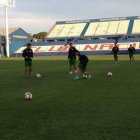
[
  {"x": 38, "y": 76},
  {"x": 28, "y": 96},
  {"x": 109, "y": 74},
  {"x": 85, "y": 76}
]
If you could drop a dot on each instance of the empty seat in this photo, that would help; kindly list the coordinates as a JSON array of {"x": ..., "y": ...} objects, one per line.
[
  {"x": 136, "y": 27},
  {"x": 67, "y": 30}
]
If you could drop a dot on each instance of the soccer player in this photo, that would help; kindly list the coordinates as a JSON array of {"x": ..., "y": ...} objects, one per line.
[
  {"x": 28, "y": 55},
  {"x": 72, "y": 58},
  {"x": 115, "y": 51},
  {"x": 131, "y": 51},
  {"x": 83, "y": 61}
]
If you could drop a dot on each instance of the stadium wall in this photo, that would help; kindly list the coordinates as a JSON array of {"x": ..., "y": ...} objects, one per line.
[{"x": 91, "y": 49}]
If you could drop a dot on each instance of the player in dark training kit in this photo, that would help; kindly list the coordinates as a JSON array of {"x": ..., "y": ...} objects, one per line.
[
  {"x": 115, "y": 51},
  {"x": 131, "y": 51},
  {"x": 72, "y": 57},
  {"x": 28, "y": 55},
  {"x": 83, "y": 61}
]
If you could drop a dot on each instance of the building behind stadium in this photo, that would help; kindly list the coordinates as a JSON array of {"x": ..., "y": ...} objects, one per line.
[{"x": 17, "y": 38}]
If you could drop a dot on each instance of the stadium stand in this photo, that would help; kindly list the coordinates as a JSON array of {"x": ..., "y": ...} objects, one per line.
[
  {"x": 67, "y": 30},
  {"x": 92, "y": 36},
  {"x": 94, "y": 29}
]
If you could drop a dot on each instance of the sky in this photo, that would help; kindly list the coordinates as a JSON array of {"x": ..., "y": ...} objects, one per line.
[{"x": 40, "y": 15}]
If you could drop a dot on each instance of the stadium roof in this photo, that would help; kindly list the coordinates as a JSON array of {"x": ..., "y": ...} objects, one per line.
[{"x": 11, "y": 30}]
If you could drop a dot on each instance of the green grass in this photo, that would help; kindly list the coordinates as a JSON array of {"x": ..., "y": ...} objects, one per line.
[
  {"x": 91, "y": 57},
  {"x": 102, "y": 108}
]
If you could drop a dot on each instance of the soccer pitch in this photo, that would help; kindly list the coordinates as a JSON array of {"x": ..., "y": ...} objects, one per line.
[{"x": 102, "y": 108}]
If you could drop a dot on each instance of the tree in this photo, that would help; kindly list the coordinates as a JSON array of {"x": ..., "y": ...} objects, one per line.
[{"x": 40, "y": 35}]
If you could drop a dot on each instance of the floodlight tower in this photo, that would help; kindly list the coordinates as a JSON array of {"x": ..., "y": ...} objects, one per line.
[{"x": 6, "y": 4}]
